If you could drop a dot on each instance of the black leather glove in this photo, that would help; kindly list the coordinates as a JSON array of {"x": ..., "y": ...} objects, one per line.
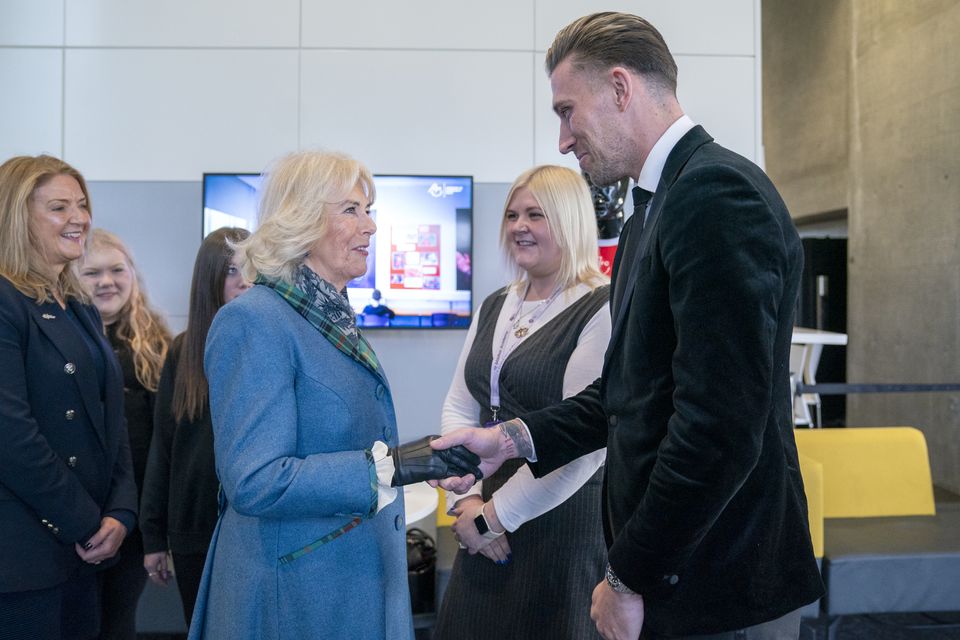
[{"x": 416, "y": 461}]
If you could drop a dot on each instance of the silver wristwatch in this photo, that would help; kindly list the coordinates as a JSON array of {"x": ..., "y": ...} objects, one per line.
[{"x": 615, "y": 582}]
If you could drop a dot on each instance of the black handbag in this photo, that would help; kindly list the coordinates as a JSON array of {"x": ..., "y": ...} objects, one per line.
[{"x": 421, "y": 571}]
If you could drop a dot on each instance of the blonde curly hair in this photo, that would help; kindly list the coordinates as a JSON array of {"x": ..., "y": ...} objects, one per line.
[{"x": 138, "y": 324}]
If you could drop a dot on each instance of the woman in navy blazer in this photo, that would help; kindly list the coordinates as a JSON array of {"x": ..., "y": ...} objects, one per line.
[{"x": 67, "y": 494}]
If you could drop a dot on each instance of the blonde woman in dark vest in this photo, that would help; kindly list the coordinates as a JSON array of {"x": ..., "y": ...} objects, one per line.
[{"x": 532, "y": 549}]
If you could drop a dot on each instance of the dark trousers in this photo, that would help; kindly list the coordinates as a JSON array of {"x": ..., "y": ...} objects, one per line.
[
  {"x": 189, "y": 568},
  {"x": 69, "y": 611},
  {"x": 783, "y": 628},
  {"x": 120, "y": 589}
]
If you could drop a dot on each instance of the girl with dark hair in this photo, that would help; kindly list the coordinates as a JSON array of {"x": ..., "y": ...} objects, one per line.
[
  {"x": 139, "y": 336},
  {"x": 179, "y": 506}
]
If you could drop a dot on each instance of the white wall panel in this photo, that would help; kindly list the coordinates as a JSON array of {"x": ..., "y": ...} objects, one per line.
[
  {"x": 173, "y": 114},
  {"x": 420, "y": 24},
  {"x": 547, "y": 124},
  {"x": 712, "y": 27},
  {"x": 31, "y": 22},
  {"x": 183, "y": 23},
  {"x": 422, "y": 112},
  {"x": 31, "y": 108},
  {"x": 719, "y": 94}
]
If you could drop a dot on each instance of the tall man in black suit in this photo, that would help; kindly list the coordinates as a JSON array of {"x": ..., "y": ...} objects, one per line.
[{"x": 704, "y": 510}]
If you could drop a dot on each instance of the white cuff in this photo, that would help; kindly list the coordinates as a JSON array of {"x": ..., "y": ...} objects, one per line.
[
  {"x": 385, "y": 470},
  {"x": 533, "y": 456}
]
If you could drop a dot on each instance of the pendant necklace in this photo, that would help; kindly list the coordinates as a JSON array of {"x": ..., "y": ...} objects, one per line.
[{"x": 521, "y": 331}]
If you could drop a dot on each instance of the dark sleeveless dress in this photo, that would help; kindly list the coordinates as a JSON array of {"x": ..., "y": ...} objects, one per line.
[{"x": 558, "y": 557}]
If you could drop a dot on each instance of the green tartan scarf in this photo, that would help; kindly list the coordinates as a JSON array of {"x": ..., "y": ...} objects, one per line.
[{"x": 361, "y": 351}]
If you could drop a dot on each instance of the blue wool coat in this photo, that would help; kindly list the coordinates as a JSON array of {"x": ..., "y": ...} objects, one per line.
[{"x": 292, "y": 418}]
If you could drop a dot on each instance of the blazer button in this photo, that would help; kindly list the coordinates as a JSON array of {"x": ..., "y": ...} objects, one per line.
[
  {"x": 387, "y": 433},
  {"x": 72, "y": 461},
  {"x": 56, "y": 531},
  {"x": 672, "y": 580},
  {"x": 613, "y": 420},
  {"x": 69, "y": 368},
  {"x": 398, "y": 522},
  {"x": 70, "y": 414},
  {"x": 44, "y": 521},
  {"x": 380, "y": 391}
]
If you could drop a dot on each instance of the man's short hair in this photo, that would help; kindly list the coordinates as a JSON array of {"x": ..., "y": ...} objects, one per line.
[{"x": 609, "y": 39}]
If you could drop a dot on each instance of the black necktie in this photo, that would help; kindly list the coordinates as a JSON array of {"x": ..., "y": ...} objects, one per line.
[{"x": 640, "y": 199}]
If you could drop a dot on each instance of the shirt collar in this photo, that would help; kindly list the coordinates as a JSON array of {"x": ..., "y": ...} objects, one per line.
[{"x": 653, "y": 166}]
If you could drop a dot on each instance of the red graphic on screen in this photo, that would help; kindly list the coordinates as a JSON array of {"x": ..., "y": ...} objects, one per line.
[{"x": 415, "y": 257}]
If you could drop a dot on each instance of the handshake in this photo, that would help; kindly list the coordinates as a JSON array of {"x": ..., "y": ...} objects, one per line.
[{"x": 417, "y": 461}]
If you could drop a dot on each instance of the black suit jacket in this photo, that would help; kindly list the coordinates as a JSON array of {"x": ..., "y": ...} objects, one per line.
[
  {"x": 705, "y": 510},
  {"x": 64, "y": 456}
]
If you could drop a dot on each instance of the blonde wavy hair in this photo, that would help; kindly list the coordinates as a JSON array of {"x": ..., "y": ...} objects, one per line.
[
  {"x": 138, "y": 324},
  {"x": 20, "y": 259},
  {"x": 564, "y": 197},
  {"x": 295, "y": 194}
]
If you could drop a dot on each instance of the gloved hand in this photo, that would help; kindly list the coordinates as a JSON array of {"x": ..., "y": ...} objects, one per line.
[{"x": 416, "y": 461}]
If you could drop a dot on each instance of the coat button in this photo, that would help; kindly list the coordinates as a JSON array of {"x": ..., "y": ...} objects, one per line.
[
  {"x": 44, "y": 521},
  {"x": 672, "y": 579},
  {"x": 56, "y": 531},
  {"x": 70, "y": 414},
  {"x": 613, "y": 420},
  {"x": 387, "y": 433},
  {"x": 398, "y": 522},
  {"x": 69, "y": 368},
  {"x": 72, "y": 461},
  {"x": 380, "y": 391}
]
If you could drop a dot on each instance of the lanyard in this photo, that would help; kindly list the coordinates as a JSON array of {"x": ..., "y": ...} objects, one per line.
[{"x": 507, "y": 346}]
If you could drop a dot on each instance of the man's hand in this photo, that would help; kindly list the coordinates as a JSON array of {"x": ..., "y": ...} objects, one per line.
[
  {"x": 618, "y": 616},
  {"x": 105, "y": 543},
  {"x": 491, "y": 444}
]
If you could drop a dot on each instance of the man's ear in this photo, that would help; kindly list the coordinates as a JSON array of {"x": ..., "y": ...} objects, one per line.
[{"x": 623, "y": 86}]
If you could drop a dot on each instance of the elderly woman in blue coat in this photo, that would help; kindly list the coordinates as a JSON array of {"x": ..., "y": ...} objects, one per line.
[{"x": 311, "y": 540}]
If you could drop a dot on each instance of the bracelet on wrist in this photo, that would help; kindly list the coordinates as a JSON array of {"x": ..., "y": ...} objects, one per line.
[{"x": 615, "y": 583}]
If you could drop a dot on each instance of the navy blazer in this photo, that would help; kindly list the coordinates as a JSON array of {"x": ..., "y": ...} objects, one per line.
[
  {"x": 704, "y": 506},
  {"x": 64, "y": 453}
]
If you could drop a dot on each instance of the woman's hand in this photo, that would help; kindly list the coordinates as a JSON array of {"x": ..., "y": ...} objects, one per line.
[
  {"x": 105, "y": 543},
  {"x": 498, "y": 550},
  {"x": 157, "y": 567},
  {"x": 464, "y": 528}
]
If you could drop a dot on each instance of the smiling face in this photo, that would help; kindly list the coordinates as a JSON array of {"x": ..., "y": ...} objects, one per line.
[
  {"x": 108, "y": 278},
  {"x": 340, "y": 255},
  {"x": 59, "y": 222},
  {"x": 529, "y": 238},
  {"x": 589, "y": 122}
]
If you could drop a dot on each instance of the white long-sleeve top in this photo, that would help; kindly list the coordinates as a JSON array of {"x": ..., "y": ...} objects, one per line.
[{"x": 524, "y": 497}]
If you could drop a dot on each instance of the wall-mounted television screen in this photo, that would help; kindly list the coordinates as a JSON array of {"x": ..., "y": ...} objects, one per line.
[{"x": 419, "y": 271}]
